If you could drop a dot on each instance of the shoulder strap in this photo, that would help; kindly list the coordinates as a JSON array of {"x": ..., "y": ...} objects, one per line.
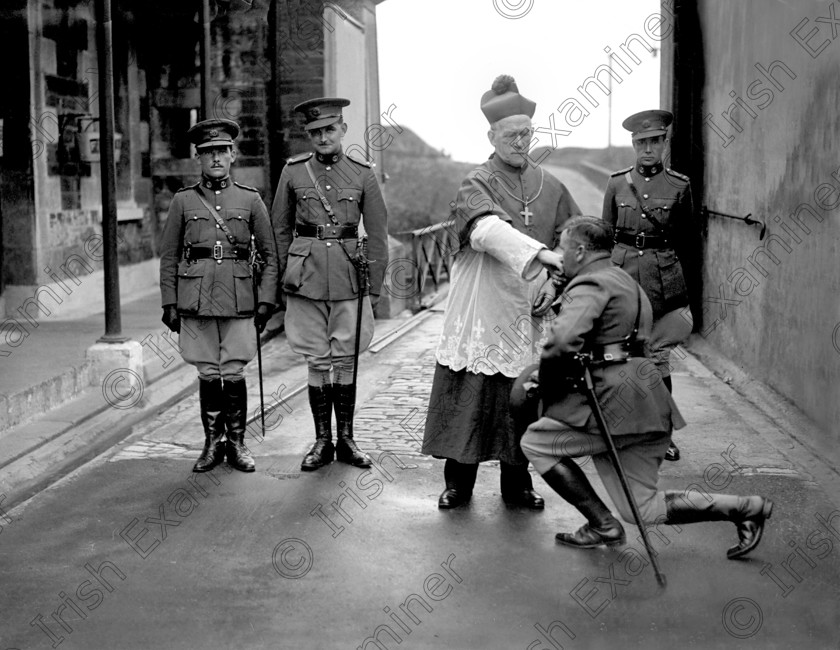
[
  {"x": 218, "y": 219},
  {"x": 324, "y": 201},
  {"x": 656, "y": 223}
]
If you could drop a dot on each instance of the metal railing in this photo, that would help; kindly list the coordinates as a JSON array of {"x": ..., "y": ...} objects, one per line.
[{"x": 430, "y": 256}]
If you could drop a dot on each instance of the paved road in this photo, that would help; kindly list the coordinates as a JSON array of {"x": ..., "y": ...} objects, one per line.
[{"x": 134, "y": 551}]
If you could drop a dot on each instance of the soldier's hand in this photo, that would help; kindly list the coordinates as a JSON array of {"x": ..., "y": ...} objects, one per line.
[
  {"x": 171, "y": 318},
  {"x": 544, "y": 299},
  {"x": 262, "y": 316}
]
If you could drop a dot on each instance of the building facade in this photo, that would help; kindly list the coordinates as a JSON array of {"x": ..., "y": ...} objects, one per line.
[
  {"x": 753, "y": 88},
  {"x": 265, "y": 57}
]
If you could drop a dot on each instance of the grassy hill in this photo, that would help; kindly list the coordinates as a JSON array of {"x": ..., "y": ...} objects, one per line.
[{"x": 422, "y": 181}]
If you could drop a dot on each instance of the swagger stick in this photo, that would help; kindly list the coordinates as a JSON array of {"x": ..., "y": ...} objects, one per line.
[{"x": 605, "y": 432}]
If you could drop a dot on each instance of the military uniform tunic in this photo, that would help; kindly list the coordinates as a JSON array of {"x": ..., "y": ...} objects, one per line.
[
  {"x": 601, "y": 308},
  {"x": 318, "y": 266},
  {"x": 215, "y": 297},
  {"x": 647, "y": 240},
  {"x": 209, "y": 287}
]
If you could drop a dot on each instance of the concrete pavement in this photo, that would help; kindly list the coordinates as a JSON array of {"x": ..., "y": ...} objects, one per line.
[{"x": 134, "y": 551}]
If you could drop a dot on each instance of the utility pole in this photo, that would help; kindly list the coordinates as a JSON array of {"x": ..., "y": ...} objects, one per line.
[{"x": 105, "y": 58}]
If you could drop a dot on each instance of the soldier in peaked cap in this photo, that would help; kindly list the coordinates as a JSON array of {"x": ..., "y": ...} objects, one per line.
[
  {"x": 509, "y": 214},
  {"x": 651, "y": 210},
  {"x": 207, "y": 291},
  {"x": 321, "y": 200}
]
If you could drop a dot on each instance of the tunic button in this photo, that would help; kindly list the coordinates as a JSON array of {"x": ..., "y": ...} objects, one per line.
[
  {"x": 328, "y": 168},
  {"x": 218, "y": 261},
  {"x": 328, "y": 187},
  {"x": 644, "y": 196},
  {"x": 647, "y": 179},
  {"x": 218, "y": 207},
  {"x": 641, "y": 253},
  {"x": 644, "y": 216},
  {"x": 218, "y": 191},
  {"x": 217, "y": 226},
  {"x": 329, "y": 244}
]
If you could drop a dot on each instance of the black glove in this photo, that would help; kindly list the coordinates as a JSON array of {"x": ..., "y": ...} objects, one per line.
[
  {"x": 171, "y": 318},
  {"x": 262, "y": 316},
  {"x": 544, "y": 299}
]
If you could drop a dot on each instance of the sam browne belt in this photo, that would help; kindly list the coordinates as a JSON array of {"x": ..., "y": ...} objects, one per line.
[
  {"x": 217, "y": 252},
  {"x": 642, "y": 240},
  {"x": 327, "y": 231}
]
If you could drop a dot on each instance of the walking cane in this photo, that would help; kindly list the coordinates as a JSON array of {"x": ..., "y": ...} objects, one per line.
[
  {"x": 255, "y": 267},
  {"x": 605, "y": 432}
]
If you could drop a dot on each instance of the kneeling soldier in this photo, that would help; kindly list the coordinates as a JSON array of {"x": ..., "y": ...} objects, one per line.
[
  {"x": 207, "y": 291},
  {"x": 605, "y": 314}
]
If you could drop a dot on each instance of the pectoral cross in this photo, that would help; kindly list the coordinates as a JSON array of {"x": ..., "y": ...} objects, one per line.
[{"x": 527, "y": 214}]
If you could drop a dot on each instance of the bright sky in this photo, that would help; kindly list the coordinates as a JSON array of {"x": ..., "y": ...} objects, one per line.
[{"x": 437, "y": 57}]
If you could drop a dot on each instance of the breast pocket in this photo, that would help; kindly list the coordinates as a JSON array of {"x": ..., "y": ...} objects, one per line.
[
  {"x": 628, "y": 213},
  {"x": 348, "y": 203},
  {"x": 662, "y": 210},
  {"x": 298, "y": 252},
  {"x": 309, "y": 207},
  {"x": 197, "y": 227},
  {"x": 238, "y": 221}
]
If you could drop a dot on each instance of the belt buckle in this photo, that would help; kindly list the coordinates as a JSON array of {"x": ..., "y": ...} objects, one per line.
[
  {"x": 320, "y": 230},
  {"x": 217, "y": 252},
  {"x": 642, "y": 244},
  {"x": 608, "y": 356}
]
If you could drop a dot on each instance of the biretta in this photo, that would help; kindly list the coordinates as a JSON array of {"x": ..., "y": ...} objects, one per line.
[
  {"x": 322, "y": 111},
  {"x": 648, "y": 124},
  {"x": 503, "y": 100},
  {"x": 213, "y": 133}
]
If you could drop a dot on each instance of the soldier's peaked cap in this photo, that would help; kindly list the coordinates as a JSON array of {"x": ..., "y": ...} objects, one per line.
[
  {"x": 503, "y": 100},
  {"x": 213, "y": 133},
  {"x": 321, "y": 112},
  {"x": 648, "y": 124}
]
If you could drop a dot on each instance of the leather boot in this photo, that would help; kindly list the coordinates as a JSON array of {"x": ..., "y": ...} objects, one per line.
[
  {"x": 346, "y": 451},
  {"x": 211, "y": 400},
  {"x": 747, "y": 513},
  {"x": 236, "y": 403},
  {"x": 321, "y": 453},
  {"x": 602, "y": 529},
  {"x": 517, "y": 487},
  {"x": 460, "y": 480}
]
